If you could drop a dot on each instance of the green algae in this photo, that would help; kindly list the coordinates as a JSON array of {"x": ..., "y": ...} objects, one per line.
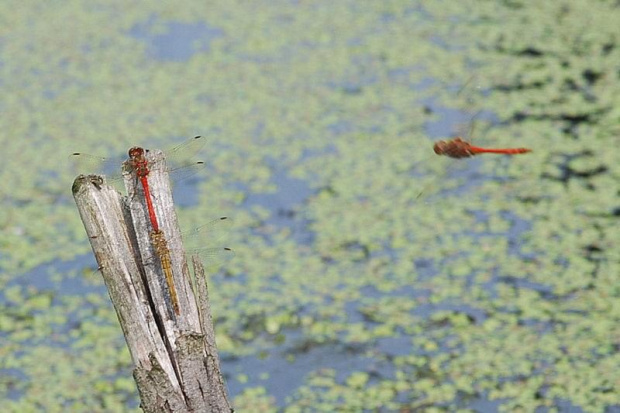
[{"x": 503, "y": 290}]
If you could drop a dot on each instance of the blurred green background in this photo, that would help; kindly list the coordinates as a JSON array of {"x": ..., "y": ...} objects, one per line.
[{"x": 370, "y": 274}]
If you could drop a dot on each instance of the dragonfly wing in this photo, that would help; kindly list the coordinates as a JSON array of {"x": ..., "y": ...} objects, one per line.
[
  {"x": 182, "y": 172},
  {"x": 83, "y": 163},
  {"x": 213, "y": 258},
  {"x": 180, "y": 163},
  {"x": 181, "y": 155},
  {"x": 214, "y": 231},
  {"x": 444, "y": 176}
]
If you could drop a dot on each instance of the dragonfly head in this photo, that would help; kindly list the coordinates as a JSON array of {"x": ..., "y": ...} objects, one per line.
[
  {"x": 440, "y": 147},
  {"x": 136, "y": 152}
]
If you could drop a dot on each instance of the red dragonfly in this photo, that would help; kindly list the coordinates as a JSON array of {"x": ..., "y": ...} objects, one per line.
[
  {"x": 178, "y": 159},
  {"x": 458, "y": 148},
  {"x": 182, "y": 167}
]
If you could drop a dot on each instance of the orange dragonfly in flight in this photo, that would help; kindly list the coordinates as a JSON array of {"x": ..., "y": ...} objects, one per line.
[{"x": 458, "y": 148}]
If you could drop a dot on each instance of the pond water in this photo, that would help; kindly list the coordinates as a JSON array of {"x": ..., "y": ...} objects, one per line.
[{"x": 370, "y": 274}]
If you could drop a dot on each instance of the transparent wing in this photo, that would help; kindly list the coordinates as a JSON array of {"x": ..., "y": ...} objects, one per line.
[
  {"x": 84, "y": 163},
  {"x": 180, "y": 162},
  {"x": 213, "y": 258},
  {"x": 216, "y": 231},
  {"x": 181, "y": 155},
  {"x": 202, "y": 239},
  {"x": 181, "y": 173}
]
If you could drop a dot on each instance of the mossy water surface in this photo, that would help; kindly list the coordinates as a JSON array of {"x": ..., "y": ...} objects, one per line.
[{"x": 494, "y": 289}]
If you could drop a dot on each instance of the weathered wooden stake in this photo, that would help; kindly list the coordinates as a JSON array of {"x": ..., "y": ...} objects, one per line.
[{"x": 177, "y": 364}]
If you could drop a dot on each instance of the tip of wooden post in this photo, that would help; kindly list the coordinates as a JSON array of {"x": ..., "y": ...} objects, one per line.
[{"x": 81, "y": 180}]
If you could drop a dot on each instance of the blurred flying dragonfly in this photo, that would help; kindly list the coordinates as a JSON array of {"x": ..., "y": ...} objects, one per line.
[{"x": 458, "y": 148}]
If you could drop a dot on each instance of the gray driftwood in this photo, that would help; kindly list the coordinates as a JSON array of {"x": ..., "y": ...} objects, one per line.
[{"x": 177, "y": 364}]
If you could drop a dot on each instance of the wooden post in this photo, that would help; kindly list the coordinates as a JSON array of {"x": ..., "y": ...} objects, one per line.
[{"x": 177, "y": 364}]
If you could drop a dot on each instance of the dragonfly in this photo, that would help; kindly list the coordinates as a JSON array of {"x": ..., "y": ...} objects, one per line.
[
  {"x": 139, "y": 163},
  {"x": 458, "y": 148},
  {"x": 180, "y": 165}
]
